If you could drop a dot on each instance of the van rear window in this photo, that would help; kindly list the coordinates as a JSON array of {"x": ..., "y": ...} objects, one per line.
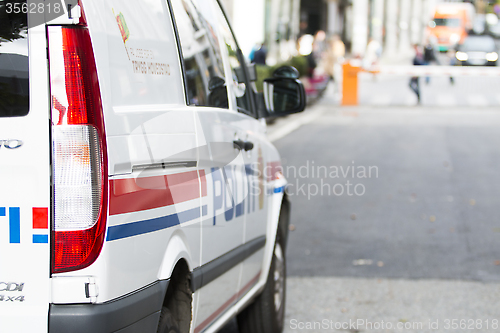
[{"x": 14, "y": 65}]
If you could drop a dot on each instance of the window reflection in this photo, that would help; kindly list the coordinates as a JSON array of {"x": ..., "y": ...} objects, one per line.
[
  {"x": 239, "y": 88},
  {"x": 201, "y": 52}
]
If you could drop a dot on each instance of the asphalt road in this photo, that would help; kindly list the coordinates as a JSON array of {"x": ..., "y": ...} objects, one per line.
[
  {"x": 429, "y": 207},
  {"x": 417, "y": 241}
]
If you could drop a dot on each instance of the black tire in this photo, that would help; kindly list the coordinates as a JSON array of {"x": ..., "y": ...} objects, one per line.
[
  {"x": 176, "y": 313},
  {"x": 167, "y": 322},
  {"x": 267, "y": 312}
]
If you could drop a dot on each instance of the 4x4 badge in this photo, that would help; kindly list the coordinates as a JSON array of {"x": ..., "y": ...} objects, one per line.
[{"x": 11, "y": 143}]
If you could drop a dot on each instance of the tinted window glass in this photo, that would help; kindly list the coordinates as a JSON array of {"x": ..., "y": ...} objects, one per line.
[
  {"x": 239, "y": 85},
  {"x": 485, "y": 44},
  {"x": 448, "y": 22},
  {"x": 14, "y": 69},
  {"x": 201, "y": 52}
]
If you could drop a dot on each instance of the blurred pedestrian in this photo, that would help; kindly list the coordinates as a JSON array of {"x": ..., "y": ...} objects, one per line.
[
  {"x": 372, "y": 54},
  {"x": 319, "y": 44},
  {"x": 338, "y": 47},
  {"x": 306, "y": 48},
  {"x": 319, "y": 51},
  {"x": 429, "y": 57},
  {"x": 453, "y": 62},
  {"x": 259, "y": 54},
  {"x": 334, "y": 55},
  {"x": 311, "y": 64},
  {"x": 418, "y": 60},
  {"x": 339, "y": 54},
  {"x": 303, "y": 28}
]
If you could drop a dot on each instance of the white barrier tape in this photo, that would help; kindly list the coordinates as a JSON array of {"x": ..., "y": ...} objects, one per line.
[{"x": 437, "y": 71}]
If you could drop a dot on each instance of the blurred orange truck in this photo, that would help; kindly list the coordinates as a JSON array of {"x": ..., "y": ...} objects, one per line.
[{"x": 451, "y": 24}]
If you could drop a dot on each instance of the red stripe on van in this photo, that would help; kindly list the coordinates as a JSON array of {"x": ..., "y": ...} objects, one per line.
[
  {"x": 40, "y": 218},
  {"x": 272, "y": 169},
  {"x": 203, "y": 181},
  {"x": 137, "y": 194}
]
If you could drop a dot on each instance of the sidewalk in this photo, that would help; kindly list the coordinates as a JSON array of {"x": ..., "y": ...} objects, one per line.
[{"x": 390, "y": 305}]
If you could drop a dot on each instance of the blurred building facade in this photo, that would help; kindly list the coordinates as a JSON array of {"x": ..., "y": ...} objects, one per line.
[
  {"x": 395, "y": 24},
  {"x": 276, "y": 23}
]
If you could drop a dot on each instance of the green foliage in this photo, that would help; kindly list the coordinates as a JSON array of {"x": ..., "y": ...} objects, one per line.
[
  {"x": 300, "y": 63},
  {"x": 263, "y": 71}
]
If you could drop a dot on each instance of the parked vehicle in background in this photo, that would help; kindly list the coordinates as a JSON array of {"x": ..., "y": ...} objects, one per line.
[
  {"x": 477, "y": 51},
  {"x": 479, "y": 26},
  {"x": 451, "y": 24},
  {"x": 139, "y": 191},
  {"x": 494, "y": 30},
  {"x": 492, "y": 25}
]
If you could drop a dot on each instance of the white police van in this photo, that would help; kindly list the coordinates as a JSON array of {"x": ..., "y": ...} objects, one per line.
[{"x": 138, "y": 190}]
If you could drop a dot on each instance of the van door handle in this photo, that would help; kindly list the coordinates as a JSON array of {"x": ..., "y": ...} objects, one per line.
[
  {"x": 248, "y": 146},
  {"x": 243, "y": 145},
  {"x": 239, "y": 144}
]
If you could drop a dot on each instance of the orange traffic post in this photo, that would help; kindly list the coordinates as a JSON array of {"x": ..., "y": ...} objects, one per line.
[
  {"x": 350, "y": 84},
  {"x": 350, "y": 81}
]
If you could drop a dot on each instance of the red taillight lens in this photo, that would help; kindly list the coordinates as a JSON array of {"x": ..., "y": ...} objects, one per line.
[
  {"x": 74, "y": 76},
  {"x": 76, "y": 249},
  {"x": 79, "y": 151}
]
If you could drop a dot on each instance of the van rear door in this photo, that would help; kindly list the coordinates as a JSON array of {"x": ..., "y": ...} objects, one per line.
[{"x": 24, "y": 174}]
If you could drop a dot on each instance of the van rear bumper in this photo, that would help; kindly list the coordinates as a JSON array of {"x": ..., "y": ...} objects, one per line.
[{"x": 136, "y": 312}]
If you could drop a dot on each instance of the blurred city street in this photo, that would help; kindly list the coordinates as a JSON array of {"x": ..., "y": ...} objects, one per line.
[
  {"x": 430, "y": 207},
  {"x": 385, "y": 90},
  {"x": 420, "y": 244},
  {"x": 395, "y": 220}
]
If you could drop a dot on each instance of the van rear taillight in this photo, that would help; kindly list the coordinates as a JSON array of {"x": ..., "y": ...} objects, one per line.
[{"x": 79, "y": 159}]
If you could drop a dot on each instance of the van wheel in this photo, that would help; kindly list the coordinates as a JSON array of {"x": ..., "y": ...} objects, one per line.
[
  {"x": 167, "y": 322},
  {"x": 176, "y": 314},
  {"x": 267, "y": 312}
]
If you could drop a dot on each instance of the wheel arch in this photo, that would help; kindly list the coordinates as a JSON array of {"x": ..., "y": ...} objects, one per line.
[
  {"x": 178, "y": 298},
  {"x": 284, "y": 219},
  {"x": 177, "y": 250},
  {"x": 279, "y": 219}
]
